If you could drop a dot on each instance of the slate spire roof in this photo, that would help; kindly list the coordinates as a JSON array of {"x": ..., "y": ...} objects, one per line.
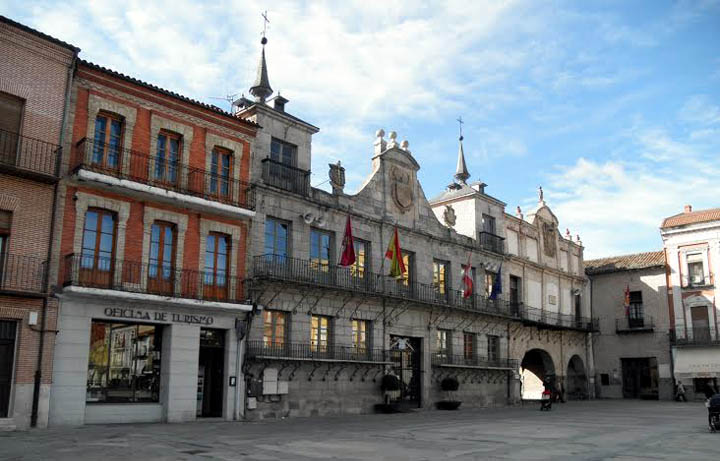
[
  {"x": 461, "y": 172},
  {"x": 261, "y": 89}
]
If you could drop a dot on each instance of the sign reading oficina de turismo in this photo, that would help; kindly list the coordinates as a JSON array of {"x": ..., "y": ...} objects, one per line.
[{"x": 154, "y": 316}]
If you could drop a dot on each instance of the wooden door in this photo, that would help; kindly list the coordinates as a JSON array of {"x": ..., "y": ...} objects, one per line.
[
  {"x": 217, "y": 255},
  {"x": 161, "y": 265},
  {"x": 97, "y": 260}
]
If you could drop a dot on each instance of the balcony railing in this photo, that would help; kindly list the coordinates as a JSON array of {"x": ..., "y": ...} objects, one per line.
[
  {"x": 156, "y": 171},
  {"x": 306, "y": 351},
  {"x": 554, "y": 319},
  {"x": 491, "y": 242},
  {"x": 22, "y": 274},
  {"x": 632, "y": 325},
  {"x": 152, "y": 279},
  {"x": 701, "y": 336},
  {"x": 307, "y": 272},
  {"x": 22, "y": 153},
  {"x": 286, "y": 177},
  {"x": 475, "y": 361}
]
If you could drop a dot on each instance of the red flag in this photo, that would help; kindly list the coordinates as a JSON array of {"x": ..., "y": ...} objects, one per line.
[
  {"x": 627, "y": 300},
  {"x": 467, "y": 279},
  {"x": 348, "y": 246}
]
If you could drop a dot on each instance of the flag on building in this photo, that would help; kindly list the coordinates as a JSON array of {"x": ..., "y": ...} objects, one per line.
[
  {"x": 627, "y": 301},
  {"x": 394, "y": 254},
  {"x": 467, "y": 279},
  {"x": 347, "y": 258},
  {"x": 497, "y": 284}
]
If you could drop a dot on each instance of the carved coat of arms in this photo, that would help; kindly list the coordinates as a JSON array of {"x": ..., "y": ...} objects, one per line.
[
  {"x": 549, "y": 241},
  {"x": 402, "y": 190},
  {"x": 449, "y": 215}
]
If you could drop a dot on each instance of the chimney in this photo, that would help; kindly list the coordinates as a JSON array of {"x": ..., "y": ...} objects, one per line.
[
  {"x": 279, "y": 103},
  {"x": 688, "y": 208}
]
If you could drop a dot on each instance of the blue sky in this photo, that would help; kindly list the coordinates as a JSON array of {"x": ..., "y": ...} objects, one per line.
[{"x": 613, "y": 107}]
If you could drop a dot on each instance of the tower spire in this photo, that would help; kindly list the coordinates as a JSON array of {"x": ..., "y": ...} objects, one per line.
[
  {"x": 261, "y": 88},
  {"x": 461, "y": 172}
]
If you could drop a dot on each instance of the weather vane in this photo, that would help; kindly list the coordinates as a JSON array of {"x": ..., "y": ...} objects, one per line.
[
  {"x": 266, "y": 21},
  {"x": 460, "y": 122}
]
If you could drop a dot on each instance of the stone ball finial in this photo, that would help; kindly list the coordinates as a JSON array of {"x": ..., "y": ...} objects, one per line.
[
  {"x": 380, "y": 133},
  {"x": 405, "y": 144},
  {"x": 393, "y": 135}
]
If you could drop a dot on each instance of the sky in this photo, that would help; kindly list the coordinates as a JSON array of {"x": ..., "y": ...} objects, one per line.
[{"x": 613, "y": 106}]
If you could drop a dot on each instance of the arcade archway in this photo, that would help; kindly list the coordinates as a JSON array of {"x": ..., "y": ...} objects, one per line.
[
  {"x": 536, "y": 365},
  {"x": 577, "y": 382}
]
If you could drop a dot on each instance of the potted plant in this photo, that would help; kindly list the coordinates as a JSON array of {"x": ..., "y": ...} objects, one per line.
[
  {"x": 390, "y": 386},
  {"x": 449, "y": 385}
]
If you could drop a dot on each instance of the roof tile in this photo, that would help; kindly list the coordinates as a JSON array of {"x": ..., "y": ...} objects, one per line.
[
  {"x": 694, "y": 217},
  {"x": 625, "y": 262}
]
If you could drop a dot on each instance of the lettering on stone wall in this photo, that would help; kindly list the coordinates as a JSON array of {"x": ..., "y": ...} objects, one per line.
[{"x": 154, "y": 316}]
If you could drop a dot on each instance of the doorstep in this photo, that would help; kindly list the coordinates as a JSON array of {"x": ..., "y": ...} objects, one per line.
[{"x": 7, "y": 424}]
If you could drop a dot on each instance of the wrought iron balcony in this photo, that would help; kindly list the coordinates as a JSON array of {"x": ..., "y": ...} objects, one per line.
[
  {"x": 532, "y": 315},
  {"x": 634, "y": 325},
  {"x": 159, "y": 172},
  {"x": 286, "y": 177},
  {"x": 310, "y": 273},
  {"x": 491, "y": 242},
  {"x": 22, "y": 274},
  {"x": 151, "y": 279},
  {"x": 701, "y": 336},
  {"x": 307, "y": 351},
  {"x": 475, "y": 361},
  {"x": 25, "y": 155}
]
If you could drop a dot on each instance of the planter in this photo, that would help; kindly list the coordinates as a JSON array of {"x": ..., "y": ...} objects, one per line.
[{"x": 448, "y": 404}]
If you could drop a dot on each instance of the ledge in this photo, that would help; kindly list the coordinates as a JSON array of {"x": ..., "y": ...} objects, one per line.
[
  {"x": 312, "y": 359},
  {"x": 474, "y": 367}
]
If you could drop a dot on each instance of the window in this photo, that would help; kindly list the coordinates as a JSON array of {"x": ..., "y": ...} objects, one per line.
[
  {"x": 696, "y": 274},
  {"x": 362, "y": 251},
  {"x": 11, "y": 110},
  {"x": 515, "y": 290},
  {"x": 469, "y": 345},
  {"x": 320, "y": 249},
  {"x": 604, "y": 379},
  {"x": 274, "y": 329},
  {"x": 276, "y": 237},
  {"x": 98, "y": 247},
  {"x": 217, "y": 254},
  {"x": 161, "y": 267},
  {"x": 124, "y": 363},
  {"x": 488, "y": 223},
  {"x": 5, "y": 222},
  {"x": 220, "y": 172},
  {"x": 360, "y": 334},
  {"x": 493, "y": 347},
  {"x": 283, "y": 152},
  {"x": 489, "y": 281},
  {"x": 440, "y": 277},
  {"x": 166, "y": 162},
  {"x": 635, "y": 314},
  {"x": 443, "y": 343},
  {"x": 108, "y": 140},
  {"x": 319, "y": 333},
  {"x": 408, "y": 260}
]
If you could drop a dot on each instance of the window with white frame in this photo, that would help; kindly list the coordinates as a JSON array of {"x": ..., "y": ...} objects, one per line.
[{"x": 696, "y": 272}]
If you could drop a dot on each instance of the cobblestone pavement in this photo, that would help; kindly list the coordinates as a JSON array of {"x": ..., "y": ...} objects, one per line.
[{"x": 584, "y": 430}]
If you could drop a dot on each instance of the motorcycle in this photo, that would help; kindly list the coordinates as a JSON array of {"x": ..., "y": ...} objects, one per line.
[{"x": 713, "y": 406}]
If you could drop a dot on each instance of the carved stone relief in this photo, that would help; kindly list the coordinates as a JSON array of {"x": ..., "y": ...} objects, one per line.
[
  {"x": 401, "y": 188},
  {"x": 549, "y": 241}
]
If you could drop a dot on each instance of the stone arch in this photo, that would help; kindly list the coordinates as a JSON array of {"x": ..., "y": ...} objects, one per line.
[
  {"x": 537, "y": 365},
  {"x": 576, "y": 379}
]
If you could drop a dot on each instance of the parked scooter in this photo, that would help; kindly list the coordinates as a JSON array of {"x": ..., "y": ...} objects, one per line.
[{"x": 713, "y": 406}]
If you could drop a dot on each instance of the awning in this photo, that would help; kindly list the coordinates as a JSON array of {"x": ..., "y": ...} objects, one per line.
[{"x": 697, "y": 362}]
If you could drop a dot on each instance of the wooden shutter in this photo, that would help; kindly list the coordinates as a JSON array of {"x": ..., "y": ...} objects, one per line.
[{"x": 10, "y": 112}]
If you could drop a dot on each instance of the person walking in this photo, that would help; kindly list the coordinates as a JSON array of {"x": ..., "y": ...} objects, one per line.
[{"x": 680, "y": 392}]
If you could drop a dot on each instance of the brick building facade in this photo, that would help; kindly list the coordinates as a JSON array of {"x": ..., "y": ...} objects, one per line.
[
  {"x": 35, "y": 75},
  {"x": 156, "y": 204}
]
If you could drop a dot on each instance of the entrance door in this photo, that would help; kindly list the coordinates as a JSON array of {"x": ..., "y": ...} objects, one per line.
[
  {"x": 406, "y": 354},
  {"x": 515, "y": 288},
  {"x": 211, "y": 373},
  {"x": 7, "y": 356},
  {"x": 701, "y": 324},
  {"x": 640, "y": 378}
]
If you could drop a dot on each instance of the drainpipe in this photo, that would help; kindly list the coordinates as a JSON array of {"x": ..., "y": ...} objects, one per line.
[{"x": 46, "y": 276}]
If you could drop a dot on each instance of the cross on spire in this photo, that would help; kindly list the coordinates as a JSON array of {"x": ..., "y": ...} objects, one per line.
[
  {"x": 460, "y": 122},
  {"x": 266, "y": 21}
]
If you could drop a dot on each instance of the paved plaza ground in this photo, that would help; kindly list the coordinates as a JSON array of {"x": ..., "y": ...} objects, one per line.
[{"x": 584, "y": 430}]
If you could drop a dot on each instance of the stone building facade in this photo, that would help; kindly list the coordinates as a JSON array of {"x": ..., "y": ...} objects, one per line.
[
  {"x": 325, "y": 335},
  {"x": 35, "y": 76},
  {"x": 628, "y": 295},
  {"x": 155, "y": 204},
  {"x": 692, "y": 254}
]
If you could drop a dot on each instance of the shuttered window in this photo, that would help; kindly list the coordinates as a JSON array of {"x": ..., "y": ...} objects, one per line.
[{"x": 10, "y": 112}]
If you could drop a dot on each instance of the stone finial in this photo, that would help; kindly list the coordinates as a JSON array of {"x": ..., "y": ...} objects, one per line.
[
  {"x": 404, "y": 145},
  {"x": 577, "y": 239},
  {"x": 541, "y": 195},
  {"x": 380, "y": 144},
  {"x": 337, "y": 177},
  {"x": 393, "y": 140},
  {"x": 568, "y": 235},
  {"x": 518, "y": 212}
]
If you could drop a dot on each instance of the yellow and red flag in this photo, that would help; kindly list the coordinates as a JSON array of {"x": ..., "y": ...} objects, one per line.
[{"x": 394, "y": 254}]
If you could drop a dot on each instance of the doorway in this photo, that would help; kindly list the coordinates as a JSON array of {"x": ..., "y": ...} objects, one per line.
[
  {"x": 406, "y": 354},
  {"x": 640, "y": 378},
  {"x": 211, "y": 373},
  {"x": 7, "y": 360}
]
